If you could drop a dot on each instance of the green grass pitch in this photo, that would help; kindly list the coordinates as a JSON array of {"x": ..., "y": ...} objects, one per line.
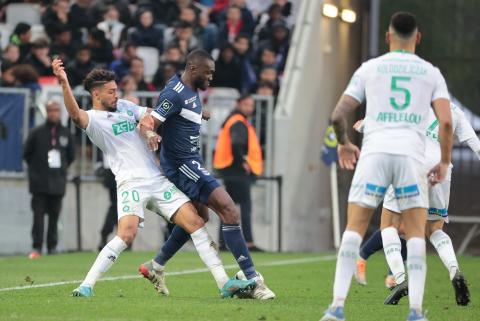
[{"x": 302, "y": 282}]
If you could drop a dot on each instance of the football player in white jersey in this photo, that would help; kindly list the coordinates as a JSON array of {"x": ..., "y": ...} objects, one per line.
[
  {"x": 398, "y": 87},
  {"x": 439, "y": 196},
  {"x": 111, "y": 125}
]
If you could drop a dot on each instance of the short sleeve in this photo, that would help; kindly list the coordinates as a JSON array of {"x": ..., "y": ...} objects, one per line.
[
  {"x": 356, "y": 86},
  {"x": 463, "y": 131},
  {"x": 137, "y": 111},
  {"x": 168, "y": 104},
  {"x": 440, "y": 90}
]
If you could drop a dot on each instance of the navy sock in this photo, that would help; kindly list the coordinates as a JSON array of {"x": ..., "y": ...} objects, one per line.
[
  {"x": 404, "y": 248},
  {"x": 176, "y": 240},
  {"x": 372, "y": 245},
  {"x": 232, "y": 234}
]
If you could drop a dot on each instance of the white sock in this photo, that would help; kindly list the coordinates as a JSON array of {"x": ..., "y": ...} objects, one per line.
[
  {"x": 347, "y": 256},
  {"x": 393, "y": 253},
  {"x": 417, "y": 271},
  {"x": 157, "y": 266},
  {"x": 105, "y": 259},
  {"x": 443, "y": 244},
  {"x": 208, "y": 253}
]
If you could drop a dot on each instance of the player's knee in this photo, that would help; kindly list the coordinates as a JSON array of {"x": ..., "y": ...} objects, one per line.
[
  {"x": 230, "y": 214},
  {"x": 128, "y": 235},
  {"x": 197, "y": 223}
]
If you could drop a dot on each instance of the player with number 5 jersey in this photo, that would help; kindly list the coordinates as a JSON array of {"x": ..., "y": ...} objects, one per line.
[{"x": 399, "y": 87}]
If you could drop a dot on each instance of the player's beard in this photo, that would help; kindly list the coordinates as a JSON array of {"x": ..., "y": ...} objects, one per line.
[
  {"x": 109, "y": 106},
  {"x": 201, "y": 83}
]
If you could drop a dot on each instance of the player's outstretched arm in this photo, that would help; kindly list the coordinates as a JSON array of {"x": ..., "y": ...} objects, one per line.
[
  {"x": 348, "y": 153},
  {"x": 78, "y": 115},
  {"x": 441, "y": 107}
]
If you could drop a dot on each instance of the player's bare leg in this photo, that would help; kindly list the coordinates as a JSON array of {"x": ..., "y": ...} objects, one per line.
[
  {"x": 126, "y": 231},
  {"x": 357, "y": 224},
  {"x": 443, "y": 244},
  {"x": 220, "y": 202}
]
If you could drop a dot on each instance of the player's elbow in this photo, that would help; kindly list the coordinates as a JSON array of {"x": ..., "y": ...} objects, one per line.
[{"x": 447, "y": 125}]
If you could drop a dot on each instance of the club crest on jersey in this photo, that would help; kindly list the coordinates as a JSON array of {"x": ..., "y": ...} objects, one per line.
[{"x": 166, "y": 104}]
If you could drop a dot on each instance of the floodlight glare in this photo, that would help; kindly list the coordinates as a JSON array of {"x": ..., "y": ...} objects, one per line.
[
  {"x": 329, "y": 10},
  {"x": 348, "y": 16}
]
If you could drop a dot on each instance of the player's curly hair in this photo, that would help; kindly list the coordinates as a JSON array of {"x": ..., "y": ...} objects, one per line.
[{"x": 97, "y": 77}]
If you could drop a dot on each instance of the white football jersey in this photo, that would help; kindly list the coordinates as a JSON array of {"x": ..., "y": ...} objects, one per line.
[
  {"x": 399, "y": 88},
  {"x": 462, "y": 131},
  {"x": 116, "y": 134}
]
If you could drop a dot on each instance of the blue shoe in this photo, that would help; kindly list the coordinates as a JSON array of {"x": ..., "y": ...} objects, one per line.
[
  {"x": 333, "y": 314},
  {"x": 234, "y": 286},
  {"x": 83, "y": 291},
  {"x": 414, "y": 315}
]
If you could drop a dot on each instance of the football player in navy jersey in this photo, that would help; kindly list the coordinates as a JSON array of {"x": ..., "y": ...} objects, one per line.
[{"x": 179, "y": 109}]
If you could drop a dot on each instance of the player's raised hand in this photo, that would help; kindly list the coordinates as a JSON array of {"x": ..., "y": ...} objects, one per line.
[
  {"x": 348, "y": 155},
  {"x": 437, "y": 173},
  {"x": 59, "y": 70}
]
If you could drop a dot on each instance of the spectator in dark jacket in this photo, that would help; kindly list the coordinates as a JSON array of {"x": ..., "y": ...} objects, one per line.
[
  {"x": 48, "y": 151},
  {"x": 121, "y": 66},
  {"x": 100, "y": 47},
  {"x": 11, "y": 53},
  {"x": 39, "y": 58},
  {"x": 56, "y": 17},
  {"x": 146, "y": 33},
  {"x": 278, "y": 41},
  {"x": 80, "y": 17},
  {"x": 242, "y": 48},
  {"x": 21, "y": 36},
  {"x": 137, "y": 69},
  {"x": 78, "y": 69},
  {"x": 63, "y": 46},
  {"x": 228, "y": 72}
]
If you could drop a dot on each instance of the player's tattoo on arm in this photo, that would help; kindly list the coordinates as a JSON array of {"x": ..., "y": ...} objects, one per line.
[{"x": 344, "y": 107}]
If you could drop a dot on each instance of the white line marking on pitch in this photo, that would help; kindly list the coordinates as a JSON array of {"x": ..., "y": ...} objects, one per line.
[{"x": 183, "y": 272}]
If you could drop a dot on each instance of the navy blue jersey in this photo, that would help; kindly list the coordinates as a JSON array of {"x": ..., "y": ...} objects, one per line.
[{"x": 180, "y": 109}]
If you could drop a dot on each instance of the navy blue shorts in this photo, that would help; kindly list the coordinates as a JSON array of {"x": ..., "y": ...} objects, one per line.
[{"x": 190, "y": 177}]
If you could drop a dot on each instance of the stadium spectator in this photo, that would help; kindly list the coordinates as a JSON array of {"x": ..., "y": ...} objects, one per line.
[
  {"x": 233, "y": 26},
  {"x": 265, "y": 88},
  {"x": 8, "y": 78},
  {"x": 204, "y": 31},
  {"x": 39, "y": 58},
  {"x": 128, "y": 86},
  {"x": 113, "y": 28},
  {"x": 267, "y": 58},
  {"x": 81, "y": 19},
  {"x": 146, "y": 33},
  {"x": 21, "y": 36},
  {"x": 80, "y": 67},
  {"x": 182, "y": 37},
  {"x": 121, "y": 66},
  {"x": 280, "y": 42},
  {"x": 101, "y": 48},
  {"x": 48, "y": 151},
  {"x": 246, "y": 15},
  {"x": 98, "y": 8},
  {"x": 173, "y": 11},
  {"x": 238, "y": 160},
  {"x": 137, "y": 69},
  {"x": 228, "y": 72},
  {"x": 165, "y": 71},
  {"x": 269, "y": 74},
  {"x": 26, "y": 76},
  {"x": 11, "y": 53},
  {"x": 63, "y": 46},
  {"x": 264, "y": 27},
  {"x": 242, "y": 49},
  {"x": 56, "y": 17}
]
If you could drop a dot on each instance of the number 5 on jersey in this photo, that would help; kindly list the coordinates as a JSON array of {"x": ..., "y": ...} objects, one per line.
[{"x": 396, "y": 86}]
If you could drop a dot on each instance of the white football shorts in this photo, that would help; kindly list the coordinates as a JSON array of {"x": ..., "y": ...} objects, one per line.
[
  {"x": 376, "y": 172},
  {"x": 438, "y": 199},
  {"x": 161, "y": 195}
]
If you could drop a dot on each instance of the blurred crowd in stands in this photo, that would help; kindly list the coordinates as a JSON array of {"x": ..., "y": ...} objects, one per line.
[{"x": 145, "y": 42}]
